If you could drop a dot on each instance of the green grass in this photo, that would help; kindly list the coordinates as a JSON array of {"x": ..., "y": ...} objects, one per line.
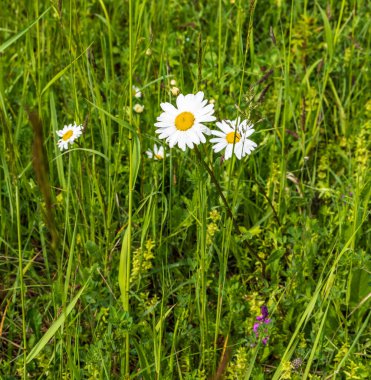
[{"x": 111, "y": 265}]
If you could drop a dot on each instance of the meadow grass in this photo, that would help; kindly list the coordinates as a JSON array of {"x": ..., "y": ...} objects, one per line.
[{"x": 117, "y": 266}]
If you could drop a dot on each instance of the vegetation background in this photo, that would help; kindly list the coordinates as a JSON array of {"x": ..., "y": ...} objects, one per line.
[{"x": 114, "y": 265}]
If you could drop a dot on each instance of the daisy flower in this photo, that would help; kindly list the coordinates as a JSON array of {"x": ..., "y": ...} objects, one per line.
[
  {"x": 183, "y": 125},
  {"x": 157, "y": 153},
  {"x": 233, "y": 137},
  {"x": 68, "y": 135},
  {"x": 136, "y": 92}
]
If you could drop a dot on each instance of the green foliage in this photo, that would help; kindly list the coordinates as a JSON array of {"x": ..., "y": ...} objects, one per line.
[{"x": 119, "y": 266}]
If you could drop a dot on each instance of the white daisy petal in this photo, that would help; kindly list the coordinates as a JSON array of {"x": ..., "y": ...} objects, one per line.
[
  {"x": 157, "y": 153},
  {"x": 218, "y": 147},
  {"x": 217, "y": 133},
  {"x": 168, "y": 107},
  {"x": 228, "y": 152},
  {"x": 199, "y": 97},
  {"x": 136, "y": 92},
  {"x": 249, "y": 132}
]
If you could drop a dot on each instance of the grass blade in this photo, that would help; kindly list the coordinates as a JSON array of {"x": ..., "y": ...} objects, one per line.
[
  {"x": 13, "y": 39},
  {"x": 54, "y": 327}
]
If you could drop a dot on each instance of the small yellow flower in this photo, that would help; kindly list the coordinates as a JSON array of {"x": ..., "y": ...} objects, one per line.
[
  {"x": 286, "y": 370},
  {"x": 59, "y": 197},
  {"x": 214, "y": 215},
  {"x": 142, "y": 261},
  {"x": 212, "y": 228}
]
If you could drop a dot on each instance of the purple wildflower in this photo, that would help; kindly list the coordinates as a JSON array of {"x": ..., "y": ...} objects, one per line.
[
  {"x": 262, "y": 320},
  {"x": 264, "y": 311},
  {"x": 256, "y": 328}
]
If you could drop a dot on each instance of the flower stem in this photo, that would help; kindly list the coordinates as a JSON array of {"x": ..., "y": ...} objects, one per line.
[{"x": 228, "y": 209}]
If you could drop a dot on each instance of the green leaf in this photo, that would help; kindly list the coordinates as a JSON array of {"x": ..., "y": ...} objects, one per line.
[
  {"x": 11, "y": 40},
  {"x": 328, "y": 33},
  {"x": 56, "y": 77},
  {"x": 54, "y": 327},
  {"x": 359, "y": 289},
  {"x": 121, "y": 122}
]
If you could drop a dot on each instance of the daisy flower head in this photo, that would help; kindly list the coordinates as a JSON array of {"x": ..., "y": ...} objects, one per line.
[
  {"x": 157, "y": 153},
  {"x": 183, "y": 125},
  {"x": 136, "y": 92},
  {"x": 68, "y": 135},
  {"x": 233, "y": 137}
]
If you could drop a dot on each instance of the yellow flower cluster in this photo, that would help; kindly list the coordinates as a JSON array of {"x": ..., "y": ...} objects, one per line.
[
  {"x": 142, "y": 261},
  {"x": 238, "y": 367},
  {"x": 286, "y": 370},
  {"x": 255, "y": 302},
  {"x": 362, "y": 152},
  {"x": 212, "y": 227}
]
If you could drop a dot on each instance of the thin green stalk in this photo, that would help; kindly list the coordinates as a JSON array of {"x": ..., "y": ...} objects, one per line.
[
  {"x": 21, "y": 280},
  {"x": 220, "y": 45},
  {"x": 130, "y": 195},
  {"x": 201, "y": 289},
  {"x": 248, "y": 36}
]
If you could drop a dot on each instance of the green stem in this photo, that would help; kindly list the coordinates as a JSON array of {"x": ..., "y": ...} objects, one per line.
[
  {"x": 21, "y": 281},
  {"x": 228, "y": 209},
  {"x": 269, "y": 202},
  {"x": 130, "y": 195}
]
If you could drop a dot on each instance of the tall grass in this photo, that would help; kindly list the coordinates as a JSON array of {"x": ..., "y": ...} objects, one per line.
[{"x": 114, "y": 265}]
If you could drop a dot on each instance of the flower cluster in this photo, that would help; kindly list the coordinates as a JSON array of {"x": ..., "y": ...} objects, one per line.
[
  {"x": 260, "y": 327},
  {"x": 184, "y": 126},
  {"x": 212, "y": 227}
]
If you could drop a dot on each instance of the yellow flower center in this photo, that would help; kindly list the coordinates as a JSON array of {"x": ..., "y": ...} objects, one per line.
[
  {"x": 67, "y": 135},
  {"x": 184, "y": 121},
  {"x": 233, "y": 137},
  {"x": 158, "y": 156}
]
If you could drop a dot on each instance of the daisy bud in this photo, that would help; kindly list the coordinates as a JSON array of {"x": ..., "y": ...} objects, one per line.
[
  {"x": 175, "y": 91},
  {"x": 138, "y": 108}
]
